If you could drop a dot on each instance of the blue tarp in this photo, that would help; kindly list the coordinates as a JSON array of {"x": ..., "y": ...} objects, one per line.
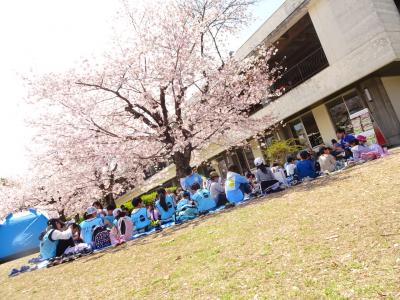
[{"x": 19, "y": 233}]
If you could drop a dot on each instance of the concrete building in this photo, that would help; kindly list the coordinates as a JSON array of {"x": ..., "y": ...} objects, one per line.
[{"x": 341, "y": 57}]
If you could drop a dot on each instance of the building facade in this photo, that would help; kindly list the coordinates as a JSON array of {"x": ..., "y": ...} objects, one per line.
[{"x": 340, "y": 57}]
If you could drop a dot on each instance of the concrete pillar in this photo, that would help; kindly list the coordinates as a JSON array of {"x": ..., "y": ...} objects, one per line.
[
  {"x": 324, "y": 123},
  {"x": 255, "y": 148},
  {"x": 392, "y": 87}
]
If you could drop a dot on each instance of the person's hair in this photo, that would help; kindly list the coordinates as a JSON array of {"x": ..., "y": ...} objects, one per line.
[
  {"x": 276, "y": 164},
  {"x": 290, "y": 159},
  {"x": 249, "y": 175},
  {"x": 110, "y": 207},
  {"x": 76, "y": 226},
  {"x": 97, "y": 204},
  {"x": 188, "y": 170},
  {"x": 354, "y": 142},
  {"x": 120, "y": 214},
  {"x": 333, "y": 141},
  {"x": 234, "y": 168},
  {"x": 53, "y": 223},
  {"x": 162, "y": 195},
  {"x": 85, "y": 215},
  {"x": 123, "y": 207},
  {"x": 195, "y": 186},
  {"x": 304, "y": 155},
  {"x": 340, "y": 130},
  {"x": 136, "y": 201}
]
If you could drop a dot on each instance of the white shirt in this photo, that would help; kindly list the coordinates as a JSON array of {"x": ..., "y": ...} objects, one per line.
[
  {"x": 327, "y": 163},
  {"x": 61, "y": 235},
  {"x": 290, "y": 169}
]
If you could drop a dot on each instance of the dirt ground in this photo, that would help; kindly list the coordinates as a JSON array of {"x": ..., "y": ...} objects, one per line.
[{"x": 335, "y": 238}]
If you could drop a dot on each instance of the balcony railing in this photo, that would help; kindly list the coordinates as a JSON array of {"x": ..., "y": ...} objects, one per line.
[{"x": 305, "y": 69}]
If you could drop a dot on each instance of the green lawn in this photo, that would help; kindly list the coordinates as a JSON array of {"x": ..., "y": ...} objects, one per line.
[{"x": 334, "y": 238}]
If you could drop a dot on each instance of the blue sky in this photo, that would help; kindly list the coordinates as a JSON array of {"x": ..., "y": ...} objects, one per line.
[{"x": 48, "y": 35}]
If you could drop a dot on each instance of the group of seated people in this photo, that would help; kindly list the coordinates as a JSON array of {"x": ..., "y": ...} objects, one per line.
[{"x": 113, "y": 226}]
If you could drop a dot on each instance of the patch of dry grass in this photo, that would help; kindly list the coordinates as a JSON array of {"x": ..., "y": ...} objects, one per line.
[{"x": 335, "y": 238}]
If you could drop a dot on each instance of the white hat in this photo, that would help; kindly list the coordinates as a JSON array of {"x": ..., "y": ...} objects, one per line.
[
  {"x": 258, "y": 161},
  {"x": 116, "y": 212},
  {"x": 91, "y": 210}
]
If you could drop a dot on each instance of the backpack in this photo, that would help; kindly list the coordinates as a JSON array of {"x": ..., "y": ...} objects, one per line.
[{"x": 101, "y": 237}]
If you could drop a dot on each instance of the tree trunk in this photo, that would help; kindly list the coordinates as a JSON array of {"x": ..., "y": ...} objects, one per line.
[
  {"x": 61, "y": 215},
  {"x": 182, "y": 161},
  {"x": 108, "y": 200}
]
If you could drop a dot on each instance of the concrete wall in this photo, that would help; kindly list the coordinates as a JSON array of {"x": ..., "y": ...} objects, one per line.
[
  {"x": 392, "y": 87},
  {"x": 356, "y": 43},
  {"x": 273, "y": 27},
  {"x": 324, "y": 123}
]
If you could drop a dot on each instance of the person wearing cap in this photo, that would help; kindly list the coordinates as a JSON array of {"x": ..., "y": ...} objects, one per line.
[
  {"x": 51, "y": 237},
  {"x": 88, "y": 224},
  {"x": 217, "y": 190},
  {"x": 373, "y": 147},
  {"x": 264, "y": 176}
]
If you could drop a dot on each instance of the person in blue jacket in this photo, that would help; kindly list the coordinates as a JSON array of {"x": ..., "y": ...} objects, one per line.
[
  {"x": 305, "y": 167},
  {"x": 190, "y": 179},
  {"x": 236, "y": 185},
  {"x": 140, "y": 216},
  {"x": 202, "y": 198},
  {"x": 87, "y": 226},
  {"x": 165, "y": 206}
]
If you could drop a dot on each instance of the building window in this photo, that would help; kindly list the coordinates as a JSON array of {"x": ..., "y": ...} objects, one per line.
[
  {"x": 342, "y": 107},
  {"x": 305, "y": 129}
]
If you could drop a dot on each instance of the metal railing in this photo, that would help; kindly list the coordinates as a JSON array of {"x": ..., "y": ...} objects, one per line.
[{"x": 300, "y": 72}]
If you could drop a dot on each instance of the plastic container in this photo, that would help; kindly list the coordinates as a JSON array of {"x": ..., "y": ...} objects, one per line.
[{"x": 19, "y": 234}]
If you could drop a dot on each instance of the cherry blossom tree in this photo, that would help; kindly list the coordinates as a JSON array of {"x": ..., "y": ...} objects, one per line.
[{"x": 167, "y": 90}]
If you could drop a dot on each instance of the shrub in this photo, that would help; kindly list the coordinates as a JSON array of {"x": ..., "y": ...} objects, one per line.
[
  {"x": 148, "y": 198},
  {"x": 279, "y": 150}
]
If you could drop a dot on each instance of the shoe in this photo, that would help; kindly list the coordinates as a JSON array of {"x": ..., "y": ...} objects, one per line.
[{"x": 13, "y": 272}]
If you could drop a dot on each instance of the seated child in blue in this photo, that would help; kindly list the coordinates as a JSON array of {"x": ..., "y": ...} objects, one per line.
[
  {"x": 236, "y": 185},
  {"x": 305, "y": 167},
  {"x": 49, "y": 239},
  {"x": 165, "y": 206},
  {"x": 109, "y": 218},
  {"x": 190, "y": 179},
  {"x": 186, "y": 208},
  {"x": 140, "y": 216},
  {"x": 89, "y": 224},
  {"x": 202, "y": 198}
]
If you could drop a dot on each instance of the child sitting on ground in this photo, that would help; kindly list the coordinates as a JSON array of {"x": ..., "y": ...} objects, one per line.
[
  {"x": 140, "y": 216},
  {"x": 265, "y": 177},
  {"x": 217, "y": 190},
  {"x": 91, "y": 222},
  {"x": 305, "y": 167},
  {"x": 358, "y": 150},
  {"x": 122, "y": 230},
  {"x": 326, "y": 160},
  {"x": 236, "y": 185},
  {"x": 372, "y": 147},
  {"x": 279, "y": 174},
  {"x": 165, "y": 206},
  {"x": 109, "y": 218},
  {"x": 202, "y": 198},
  {"x": 187, "y": 208},
  {"x": 50, "y": 238}
]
